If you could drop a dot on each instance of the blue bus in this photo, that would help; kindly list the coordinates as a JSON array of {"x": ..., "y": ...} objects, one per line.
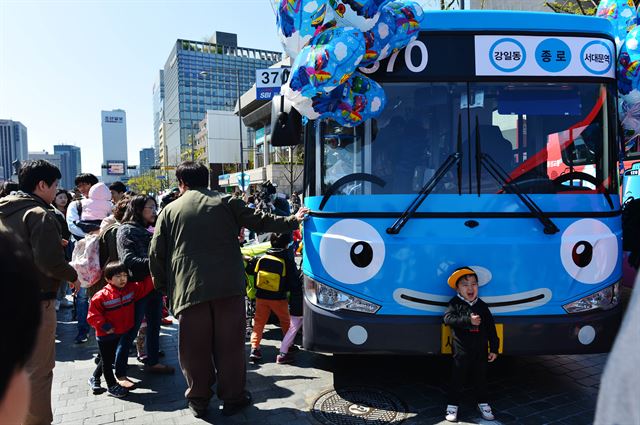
[{"x": 497, "y": 150}]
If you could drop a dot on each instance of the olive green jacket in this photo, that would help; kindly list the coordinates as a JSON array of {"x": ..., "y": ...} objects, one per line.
[
  {"x": 32, "y": 223},
  {"x": 195, "y": 254}
]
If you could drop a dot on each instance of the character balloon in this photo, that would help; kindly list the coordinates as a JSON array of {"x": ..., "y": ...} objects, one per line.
[
  {"x": 622, "y": 14},
  {"x": 298, "y": 21}
]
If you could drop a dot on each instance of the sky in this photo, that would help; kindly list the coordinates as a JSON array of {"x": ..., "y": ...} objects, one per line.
[{"x": 62, "y": 62}]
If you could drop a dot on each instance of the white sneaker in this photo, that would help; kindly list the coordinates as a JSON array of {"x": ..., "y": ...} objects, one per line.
[
  {"x": 452, "y": 413},
  {"x": 485, "y": 411}
]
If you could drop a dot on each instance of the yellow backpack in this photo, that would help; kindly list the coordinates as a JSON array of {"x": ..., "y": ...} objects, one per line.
[{"x": 269, "y": 273}]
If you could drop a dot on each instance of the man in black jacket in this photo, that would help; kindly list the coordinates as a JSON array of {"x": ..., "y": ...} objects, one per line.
[{"x": 473, "y": 331}]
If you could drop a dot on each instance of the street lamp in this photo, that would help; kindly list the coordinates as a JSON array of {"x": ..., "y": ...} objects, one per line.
[{"x": 240, "y": 126}]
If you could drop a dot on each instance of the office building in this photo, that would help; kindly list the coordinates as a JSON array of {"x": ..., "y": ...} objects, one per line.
[
  {"x": 147, "y": 160},
  {"x": 201, "y": 76},
  {"x": 71, "y": 164},
  {"x": 52, "y": 158},
  {"x": 114, "y": 145},
  {"x": 158, "y": 113},
  {"x": 13, "y": 146}
]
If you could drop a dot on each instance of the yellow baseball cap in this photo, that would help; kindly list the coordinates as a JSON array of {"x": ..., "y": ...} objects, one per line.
[{"x": 458, "y": 273}]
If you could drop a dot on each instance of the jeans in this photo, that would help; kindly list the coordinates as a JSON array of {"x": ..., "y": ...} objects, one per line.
[
  {"x": 150, "y": 307},
  {"x": 107, "y": 345},
  {"x": 82, "y": 308},
  {"x": 62, "y": 291}
]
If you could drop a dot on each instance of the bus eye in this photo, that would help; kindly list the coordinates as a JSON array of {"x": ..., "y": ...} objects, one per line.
[
  {"x": 352, "y": 251},
  {"x": 589, "y": 251}
]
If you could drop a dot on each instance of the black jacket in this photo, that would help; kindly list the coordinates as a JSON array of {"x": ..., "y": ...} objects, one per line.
[
  {"x": 466, "y": 337},
  {"x": 292, "y": 282},
  {"x": 133, "y": 242}
]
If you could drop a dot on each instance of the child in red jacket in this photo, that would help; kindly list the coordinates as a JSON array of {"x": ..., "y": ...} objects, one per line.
[{"x": 111, "y": 314}]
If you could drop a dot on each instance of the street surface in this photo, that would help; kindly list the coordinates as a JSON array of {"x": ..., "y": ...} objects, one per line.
[{"x": 526, "y": 390}]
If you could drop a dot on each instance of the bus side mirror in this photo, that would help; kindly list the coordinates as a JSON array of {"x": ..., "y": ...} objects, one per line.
[{"x": 287, "y": 127}]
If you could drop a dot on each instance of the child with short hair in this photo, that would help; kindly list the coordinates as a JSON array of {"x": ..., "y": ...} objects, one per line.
[
  {"x": 475, "y": 341},
  {"x": 275, "y": 276},
  {"x": 111, "y": 314}
]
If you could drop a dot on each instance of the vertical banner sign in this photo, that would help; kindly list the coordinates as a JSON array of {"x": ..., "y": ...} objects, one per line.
[
  {"x": 269, "y": 81},
  {"x": 535, "y": 56}
]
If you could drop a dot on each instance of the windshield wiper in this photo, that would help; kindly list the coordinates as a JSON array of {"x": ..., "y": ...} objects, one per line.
[
  {"x": 501, "y": 176},
  {"x": 451, "y": 160}
]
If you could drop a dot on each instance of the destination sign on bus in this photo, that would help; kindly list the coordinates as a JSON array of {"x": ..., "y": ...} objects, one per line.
[
  {"x": 535, "y": 56},
  {"x": 446, "y": 57}
]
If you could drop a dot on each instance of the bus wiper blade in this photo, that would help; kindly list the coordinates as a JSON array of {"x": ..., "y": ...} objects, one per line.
[
  {"x": 451, "y": 160},
  {"x": 498, "y": 173}
]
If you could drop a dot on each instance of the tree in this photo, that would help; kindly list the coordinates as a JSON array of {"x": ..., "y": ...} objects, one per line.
[
  {"x": 290, "y": 157},
  {"x": 575, "y": 7},
  {"x": 145, "y": 184}
]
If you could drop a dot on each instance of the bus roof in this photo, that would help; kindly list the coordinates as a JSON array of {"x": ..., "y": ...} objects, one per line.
[{"x": 483, "y": 20}]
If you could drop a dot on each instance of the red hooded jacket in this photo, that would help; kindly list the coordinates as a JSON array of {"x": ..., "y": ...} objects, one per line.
[{"x": 113, "y": 308}]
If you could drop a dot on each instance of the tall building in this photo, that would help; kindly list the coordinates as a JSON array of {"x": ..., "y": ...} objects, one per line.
[
  {"x": 114, "y": 145},
  {"x": 71, "y": 164},
  {"x": 158, "y": 112},
  {"x": 147, "y": 160},
  {"x": 13, "y": 146},
  {"x": 52, "y": 158},
  {"x": 199, "y": 76}
]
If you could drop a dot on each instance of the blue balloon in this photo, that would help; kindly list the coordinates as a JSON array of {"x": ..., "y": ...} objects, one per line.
[
  {"x": 361, "y": 14},
  {"x": 378, "y": 39},
  {"x": 628, "y": 67},
  {"x": 622, "y": 14},
  {"x": 328, "y": 61},
  {"x": 362, "y": 99},
  {"x": 298, "y": 21},
  {"x": 407, "y": 16}
]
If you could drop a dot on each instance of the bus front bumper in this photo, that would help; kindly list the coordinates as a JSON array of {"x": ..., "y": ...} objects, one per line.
[{"x": 350, "y": 332}]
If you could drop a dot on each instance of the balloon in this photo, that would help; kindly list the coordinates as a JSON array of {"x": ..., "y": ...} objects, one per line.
[
  {"x": 378, "y": 39},
  {"x": 622, "y": 14},
  {"x": 361, "y": 14},
  {"x": 407, "y": 16},
  {"x": 328, "y": 61},
  {"x": 362, "y": 99},
  {"x": 298, "y": 21},
  {"x": 628, "y": 66}
]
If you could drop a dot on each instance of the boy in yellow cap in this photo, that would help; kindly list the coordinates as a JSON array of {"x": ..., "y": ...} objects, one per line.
[{"x": 475, "y": 341}]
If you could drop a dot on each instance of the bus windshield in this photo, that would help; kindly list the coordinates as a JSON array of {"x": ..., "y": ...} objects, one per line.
[{"x": 547, "y": 137}]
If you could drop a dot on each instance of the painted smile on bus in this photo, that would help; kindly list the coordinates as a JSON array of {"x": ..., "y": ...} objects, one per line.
[{"x": 354, "y": 253}]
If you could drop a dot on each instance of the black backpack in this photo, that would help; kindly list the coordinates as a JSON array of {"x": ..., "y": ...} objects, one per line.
[{"x": 631, "y": 225}]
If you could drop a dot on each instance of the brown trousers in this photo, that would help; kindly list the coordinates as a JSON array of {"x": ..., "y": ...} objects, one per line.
[
  {"x": 211, "y": 348},
  {"x": 40, "y": 368}
]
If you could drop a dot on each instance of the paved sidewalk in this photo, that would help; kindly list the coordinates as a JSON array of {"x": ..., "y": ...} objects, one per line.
[{"x": 526, "y": 390}]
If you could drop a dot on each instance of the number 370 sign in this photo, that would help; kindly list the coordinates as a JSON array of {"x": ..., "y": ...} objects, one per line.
[{"x": 269, "y": 81}]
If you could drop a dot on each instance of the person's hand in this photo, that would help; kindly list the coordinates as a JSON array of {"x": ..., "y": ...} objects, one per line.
[
  {"x": 475, "y": 319},
  {"x": 65, "y": 243},
  {"x": 75, "y": 286},
  {"x": 110, "y": 331},
  {"x": 301, "y": 214},
  {"x": 492, "y": 357}
]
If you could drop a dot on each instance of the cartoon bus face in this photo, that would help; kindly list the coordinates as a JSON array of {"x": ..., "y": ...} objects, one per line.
[{"x": 406, "y": 274}]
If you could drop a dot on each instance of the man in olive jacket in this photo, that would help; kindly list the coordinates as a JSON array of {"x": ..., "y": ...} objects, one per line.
[
  {"x": 195, "y": 258},
  {"x": 26, "y": 217}
]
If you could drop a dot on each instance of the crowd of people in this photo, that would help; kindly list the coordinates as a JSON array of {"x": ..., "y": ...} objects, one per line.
[{"x": 190, "y": 253}]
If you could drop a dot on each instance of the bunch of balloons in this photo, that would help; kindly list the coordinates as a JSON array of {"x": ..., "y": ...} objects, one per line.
[
  {"x": 624, "y": 17},
  {"x": 329, "y": 40}
]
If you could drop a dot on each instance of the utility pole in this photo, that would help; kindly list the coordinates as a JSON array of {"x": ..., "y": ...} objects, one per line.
[{"x": 240, "y": 126}]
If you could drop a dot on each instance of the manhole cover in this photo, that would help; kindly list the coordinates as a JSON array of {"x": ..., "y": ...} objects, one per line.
[{"x": 360, "y": 406}]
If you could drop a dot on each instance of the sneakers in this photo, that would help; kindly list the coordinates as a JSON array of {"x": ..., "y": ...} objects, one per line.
[
  {"x": 255, "y": 355},
  {"x": 452, "y": 413},
  {"x": 285, "y": 358},
  {"x": 485, "y": 411},
  {"x": 95, "y": 385},
  {"x": 117, "y": 391},
  {"x": 81, "y": 339}
]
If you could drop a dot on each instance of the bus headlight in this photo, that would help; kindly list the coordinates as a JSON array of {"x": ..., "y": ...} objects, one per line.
[
  {"x": 604, "y": 299},
  {"x": 331, "y": 299}
]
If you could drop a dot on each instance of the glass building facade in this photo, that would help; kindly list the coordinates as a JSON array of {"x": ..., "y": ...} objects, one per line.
[
  {"x": 70, "y": 164},
  {"x": 13, "y": 146},
  {"x": 158, "y": 113},
  {"x": 199, "y": 76}
]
